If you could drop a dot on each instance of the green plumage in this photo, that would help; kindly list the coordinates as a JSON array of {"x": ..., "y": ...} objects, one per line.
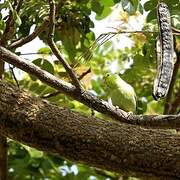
[{"x": 121, "y": 93}]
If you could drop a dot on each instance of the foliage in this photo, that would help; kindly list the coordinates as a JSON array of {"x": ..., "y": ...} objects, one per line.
[{"x": 73, "y": 35}]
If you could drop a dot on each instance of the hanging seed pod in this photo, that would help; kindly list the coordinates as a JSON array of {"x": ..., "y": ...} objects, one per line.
[{"x": 164, "y": 50}]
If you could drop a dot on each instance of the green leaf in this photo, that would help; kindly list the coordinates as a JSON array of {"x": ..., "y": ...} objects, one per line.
[
  {"x": 106, "y": 11},
  {"x": 152, "y": 15},
  {"x": 107, "y": 2},
  {"x": 116, "y": 1},
  {"x": 172, "y": 3},
  {"x": 141, "y": 105},
  {"x": 24, "y": 29},
  {"x": 17, "y": 18},
  {"x": 33, "y": 152},
  {"x": 44, "y": 64},
  {"x": 135, "y": 4},
  {"x": 2, "y": 26},
  {"x": 140, "y": 8},
  {"x": 97, "y": 7},
  {"x": 149, "y": 5},
  {"x": 45, "y": 50},
  {"x": 154, "y": 107}
]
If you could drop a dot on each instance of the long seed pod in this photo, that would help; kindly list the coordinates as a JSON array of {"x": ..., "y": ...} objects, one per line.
[{"x": 165, "y": 50}]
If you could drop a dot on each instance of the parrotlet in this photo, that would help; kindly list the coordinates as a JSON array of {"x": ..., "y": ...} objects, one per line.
[{"x": 121, "y": 93}]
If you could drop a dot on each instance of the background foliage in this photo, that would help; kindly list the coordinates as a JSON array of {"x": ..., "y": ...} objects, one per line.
[{"x": 73, "y": 34}]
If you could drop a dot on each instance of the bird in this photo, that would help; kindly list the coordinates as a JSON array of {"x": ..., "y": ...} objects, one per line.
[{"x": 121, "y": 93}]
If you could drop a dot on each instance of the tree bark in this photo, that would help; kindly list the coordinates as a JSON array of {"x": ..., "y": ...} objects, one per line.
[
  {"x": 3, "y": 141},
  {"x": 128, "y": 149}
]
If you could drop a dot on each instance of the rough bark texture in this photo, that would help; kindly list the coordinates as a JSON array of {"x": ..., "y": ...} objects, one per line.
[
  {"x": 3, "y": 141},
  {"x": 114, "y": 146}
]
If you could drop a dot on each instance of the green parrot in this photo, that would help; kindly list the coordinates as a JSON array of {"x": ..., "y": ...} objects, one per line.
[{"x": 121, "y": 93}]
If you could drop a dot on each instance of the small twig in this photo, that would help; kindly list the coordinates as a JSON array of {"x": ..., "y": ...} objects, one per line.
[
  {"x": 28, "y": 38},
  {"x": 55, "y": 50},
  {"x": 46, "y": 96},
  {"x": 19, "y": 4},
  {"x": 170, "y": 92},
  {"x": 13, "y": 75},
  {"x": 123, "y": 177},
  {"x": 51, "y": 19},
  {"x": 106, "y": 174},
  {"x": 29, "y": 54},
  {"x": 84, "y": 74},
  {"x": 175, "y": 30}
]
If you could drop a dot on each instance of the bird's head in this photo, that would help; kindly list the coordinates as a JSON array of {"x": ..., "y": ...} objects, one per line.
[{"x": 111, "y": 79}]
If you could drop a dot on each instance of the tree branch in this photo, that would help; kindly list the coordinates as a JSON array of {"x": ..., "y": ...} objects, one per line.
[
  {"x": 176, "y": 104},
  {"x": 58, "y": 92},
  {"x": 168, "y": 104},
  {"x": 175, "y": 30},
  {"x": 127, "y": 149},
  {"x": 55, "y": 50},
  {"x": 10, "y": 26},
  {"x": 84, "y": 74},
  {"x": 87, "y": 98},
  {"x": 9, "y": 32},
  {"x": 19, "y": 4},
  {"x": 14, "y": 76},
  {"x": 28, "y": 38},
  {"x": 46, "y": 96}
]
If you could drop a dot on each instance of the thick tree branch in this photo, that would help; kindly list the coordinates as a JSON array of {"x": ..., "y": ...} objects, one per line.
[
  {"x": 55, "y": 50},
  {"x": 127, "y": 149},
  {"x": 164, "y": 121}
]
